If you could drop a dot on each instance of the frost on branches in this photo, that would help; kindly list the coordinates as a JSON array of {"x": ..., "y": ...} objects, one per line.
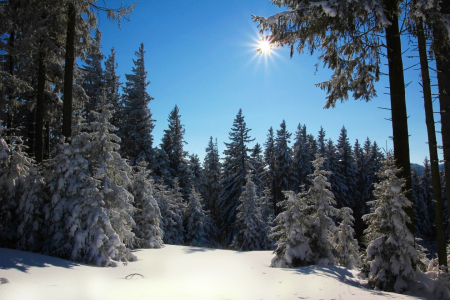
[
  {"x": 346, "y": 244},
  {"x": 147, "y": 216},
  {"x": 249, "y": 220},
  {"x": 390, "y": 253},
  {"x": 197, "y": 231}
]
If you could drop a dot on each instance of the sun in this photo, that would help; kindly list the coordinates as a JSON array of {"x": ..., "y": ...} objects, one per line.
[{"x": 265, "y": 47}]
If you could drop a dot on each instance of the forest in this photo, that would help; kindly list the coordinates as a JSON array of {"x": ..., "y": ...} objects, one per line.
[{"x": 82, "y": 177}]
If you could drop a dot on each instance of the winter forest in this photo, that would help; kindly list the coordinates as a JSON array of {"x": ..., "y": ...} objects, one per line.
[{"x": 82, "y": 177}]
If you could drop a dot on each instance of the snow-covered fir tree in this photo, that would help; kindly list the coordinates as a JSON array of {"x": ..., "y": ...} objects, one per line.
[
  {"x": 302, "y": 166},
  {"x": 172, "y": 213},
  {"x": 147, "y": 216},
  {"x": 259, "y": 167},
  {"x": 236, "y": 166},
  {"x": 268, "y": 216},
  {"x": 284, "y": 177},
  {"x": 15, "y": 167},
  {"x": 92, "y": 74},
  {"x": 390, "y": 253},
  {"x": 111, "y": 87},
  {"x": 345, "y": 167},
  {"x": 292, "y": 246},
  {"x": 346, "y": 244},
  {"x": 212, "y": 168},
  {"x": 320, "y": 227},
  {"x": 249, "y": 221},
  {"x": 197, "y": 231},
  {"x": 172, "y": 143},
  {"x": 198, "y": 179},
  {"x": 321, "y": 142},
  {"x": 136, "y": 124},
  {"x": 268, "y": 176},
  {"x": 90, "y": 209}
]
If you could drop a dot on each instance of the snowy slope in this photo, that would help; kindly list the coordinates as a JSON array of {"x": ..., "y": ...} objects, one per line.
[{"x": 177, "y": 272}]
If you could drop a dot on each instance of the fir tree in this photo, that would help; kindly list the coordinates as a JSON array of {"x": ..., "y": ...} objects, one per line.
[
  {"x": 283, "y": 163},
  {"x": 235, "y": 169},
  {"x": 249, "y": 221},
  {"x": 259, "y": 168},
  {"x": 302, "y": 166},
  {"x": 147, "y": 215},
  {"x": 427, "y": 193},
  {"x": 197, "y": 231},
  {"x": 213, "y": 188},
  {"x": 111, "y": 87},
  {"x": 292, "y": 246},
  {"x": 345, "y": 167},
  {"x": 346, "y": 244},
  {"x": 93, "y": 79},
  {"x": 269, "y": 175},
  {"x": 198, "y": 179},
  {"x": 390, "y": 252},
  {"x": 136, "y": 124},
  {"x": 172, "y": 143},
  {"x": 424, "y": 228}
]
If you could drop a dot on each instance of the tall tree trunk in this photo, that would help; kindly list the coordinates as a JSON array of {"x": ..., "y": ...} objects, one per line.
[
  {"x": 398, "y": 104},
  {"x": 47, "y": 140},
  {"x": 39, "y": 150},
  {"x": 432, "y": 145},
  {"x": 68, "y": 72}
]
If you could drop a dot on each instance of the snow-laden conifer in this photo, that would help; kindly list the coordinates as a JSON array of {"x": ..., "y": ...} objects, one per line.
[
  {"x": 212, "y": 168},
  {"x": 345, "y": 167},
  {"x": 292, "y": 246},
  {"x": 301, "y": 166},
  {"x": 147, "y": 216},
  {"x": 249, "y": 221},
  {"x": 111, "y": 87},
  {"x": 320, "y": 227},
  {"x": 197, "y": 225},
  {"x": 170, "y": 206},
  {"x": 136, "y": 123},
  {"x": 390, "y": 252},
  {"x": 346, "y": 244}
]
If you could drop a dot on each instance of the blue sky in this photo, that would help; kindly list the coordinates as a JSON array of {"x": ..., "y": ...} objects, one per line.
[{"x": 200, "y": 55}]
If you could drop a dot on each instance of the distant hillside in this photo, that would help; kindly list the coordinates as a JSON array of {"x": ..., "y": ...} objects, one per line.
[{"x": 419, "y": 168}]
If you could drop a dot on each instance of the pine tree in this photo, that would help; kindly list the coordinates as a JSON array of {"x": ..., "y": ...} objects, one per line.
[
  {"x": 427, "y": 194},
  {"x": 269, "y": 175},
  {"x": 390, "y": 252},
  {"x": 249, "y": 221},
  {"x": 320, "y": 227},
  {"x": 172, "y": 143},
  {"x": 93, "y": 79},
  {"x": 302, "y": 166},
  {"x": 147, "y": 216},
  {"x": 136, "y": 124},
  {"x": 283, "y": 161},
  {"x": 321, "y": 142},
  {"x": 292, "y": 246},
  {"x": 198, "y": 179},
  {"x": 197, "y": 226},
  {"x": 213, "y": 188},
  {"x": 259, "y": 167},
  {"x": 235, "y": 169},
  {"x": 346, "y": 244},
  {"x": 346, "y": 168},
  {"x": 424, "y": 228},
  {"x": 111, "y": 87}
]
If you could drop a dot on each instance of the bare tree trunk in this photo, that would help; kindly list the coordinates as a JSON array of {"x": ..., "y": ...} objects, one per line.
[
  {"x": 39, "y": 150},
  {"x": 432, "y": 145},
  {"x": 68, "y": 72},
  {"x": 398, "y": 104}
]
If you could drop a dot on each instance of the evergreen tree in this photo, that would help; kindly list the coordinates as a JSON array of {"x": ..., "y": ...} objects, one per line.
[
  {"x": 345, "y": 167},
  {"x": 259, "y": 168},
  {"x": 346, "y": 244},
  {"x": 292, "y": 246},
  {"x": 136, "y": 124},
  {"x": 319, "y": 227},
  {"x": 92, "y": 74},
  {"x": 390, "y": 253},
  {"x": 198, "y": 179},
  {"x": 197, "y": 231},
  {"x": 302, "y": 166},
  {"x": 147, "y": 216},
  {"x": 424, "y": 227},
  {"x": 269, "y": 175},
  {"x": 427, "y": 194},
  {"x": 283, "y": 161},
  {"x": 171, "y": 214},
  {"x": 172, "y": 144},
  {"x": 321, "y": 142},
  {"x": 213, "y": 188},
  {"x": 235, "y": 169},
  {"x": 249, "y": 221},
  {"x": 111, "y": 87}
]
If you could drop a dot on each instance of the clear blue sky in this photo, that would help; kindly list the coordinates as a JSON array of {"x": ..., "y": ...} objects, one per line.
[{"x": 200, "y": 55}]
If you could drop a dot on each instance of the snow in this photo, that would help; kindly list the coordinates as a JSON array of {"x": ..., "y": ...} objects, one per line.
[{"x": 179, "y": 272}]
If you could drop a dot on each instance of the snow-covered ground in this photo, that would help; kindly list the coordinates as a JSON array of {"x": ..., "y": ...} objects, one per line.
[{"x": 177, "y": 272}]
